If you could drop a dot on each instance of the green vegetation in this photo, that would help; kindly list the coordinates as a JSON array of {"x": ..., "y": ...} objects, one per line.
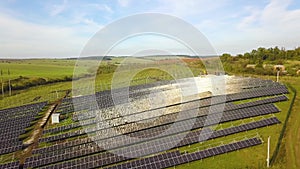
[
  {"x": 49, "y": 92},
  {"x": 262, "y": 62},
  {"x": 39, "y": 68},
  {"x": 22, "y": 74},
  {"x": 289, "y": 152}
]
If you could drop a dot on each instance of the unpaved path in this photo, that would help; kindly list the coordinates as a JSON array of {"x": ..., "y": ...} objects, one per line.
[{"x": 33, "y": 141}]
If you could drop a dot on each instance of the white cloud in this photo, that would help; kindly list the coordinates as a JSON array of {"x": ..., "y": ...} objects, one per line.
[
  {"x": 274, "y": 17},
  {"x": 58, "y": 8},
  {"x": 88, "y": 25},
  {"x": 124, "y": 3},
  {"x": 191, "y": 7},
  {"x": 250, "y": 19},
  {"x": 269, "y": 26},
  {"x": 23, "y": 39},
  {"x": 277, "y": 14},
  {"x": 102, "y": 7}
]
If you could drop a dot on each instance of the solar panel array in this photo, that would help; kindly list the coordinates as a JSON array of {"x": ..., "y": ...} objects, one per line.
[
  {"x": 13, "y": 122},
  {"x": 194, "y": 135},
  {"x": 73, "y": 149},
  {"x": 204, "y": 102},
  {"x": 83, "y": 149},
  {"x": 156, "y": 162},
  {"x": 11, "y": 165},
  {"x": 200, "y": 122},
  {"x": 104, "y": 98},
  {"x": 226, "y": 108},
  {"x": 259, "y": 92},
  {"x": 108, "y": 158}
]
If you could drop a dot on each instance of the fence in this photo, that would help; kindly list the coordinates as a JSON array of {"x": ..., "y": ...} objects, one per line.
[{"x": 274, "y": 156}]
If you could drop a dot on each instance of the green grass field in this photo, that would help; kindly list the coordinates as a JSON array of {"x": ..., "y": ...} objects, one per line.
[
  {"x": 59, "y": 69},
  {"x": 43, "y": 68}
]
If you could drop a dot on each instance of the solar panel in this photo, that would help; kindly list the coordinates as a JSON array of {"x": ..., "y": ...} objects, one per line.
[
  {"x": 185, "y": 158},
  {"x": 274, "y": 119}
]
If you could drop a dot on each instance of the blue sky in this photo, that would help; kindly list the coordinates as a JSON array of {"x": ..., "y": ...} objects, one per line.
[{"x": 61, "y": 28}]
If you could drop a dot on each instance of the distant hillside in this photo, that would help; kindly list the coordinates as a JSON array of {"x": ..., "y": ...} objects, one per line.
[{"x": 94, "y": 58}]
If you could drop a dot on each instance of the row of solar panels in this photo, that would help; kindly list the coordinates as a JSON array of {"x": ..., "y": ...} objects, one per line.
[
  {"x": 11, "y": 148},
  {"x": 12, "y": 127},
  {"x": 204, "y": 103},
  {"x": 212, "y": 119},
  {"x": 24, "y": 116},
  {"x": 227, "y": 107},
  {"x": 192, "y": 137},
  {"x": 20, "y": 109},
  {"x": 11, "y": 165},
  {"x": 116, "y": 138},
  {"x": 104, "y": 94},
  {"x": 162, "y": 160},
  {"x": 259, "y": 92},
  {"x": 104, "y": 99},
  {"x": 12, "y": 134},
  {"x": 201, "y": 135},
  {"x": 216, "y": 118},
  {"x": 158, "y": 162},
  {"x": 253, "y": 124},
  {"x": 85, "y": 102},
  {"x": 233, "y": 97}
]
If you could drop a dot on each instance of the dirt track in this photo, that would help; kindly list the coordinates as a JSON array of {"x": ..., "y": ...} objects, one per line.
[{"x": 33, "y": 141}]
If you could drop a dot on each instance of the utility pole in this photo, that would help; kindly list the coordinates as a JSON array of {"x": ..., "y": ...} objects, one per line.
[
  {"x": 9, "y": 86},
  {"x": 268, "y": 155},
  {"x": 2, "y": 84},
  {"x": 56, "y": 94}
]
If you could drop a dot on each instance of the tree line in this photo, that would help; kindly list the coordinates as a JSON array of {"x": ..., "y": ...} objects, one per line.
[{"x": 263, "y": 59}]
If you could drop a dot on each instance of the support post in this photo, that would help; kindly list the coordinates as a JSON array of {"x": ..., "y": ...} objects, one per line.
[
  {"x": 268, "y": 155},
  {"x": 9, "y": 86}
]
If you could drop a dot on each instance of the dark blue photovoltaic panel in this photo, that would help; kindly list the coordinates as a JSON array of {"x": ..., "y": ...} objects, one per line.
[
  {"x": 192, "y": 137},
  {"x": 12, "y": 165},
  {"x": 13, "y": 123},
  {"x": 227, "y": 116},
  {"x": 177, "y": 159}
]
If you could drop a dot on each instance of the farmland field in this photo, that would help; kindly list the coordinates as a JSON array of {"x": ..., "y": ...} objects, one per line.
[{"x": 34, "y": 68}]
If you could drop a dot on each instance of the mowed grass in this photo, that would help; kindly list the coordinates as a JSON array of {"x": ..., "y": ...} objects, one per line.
[{"x": 290, "y": 149}]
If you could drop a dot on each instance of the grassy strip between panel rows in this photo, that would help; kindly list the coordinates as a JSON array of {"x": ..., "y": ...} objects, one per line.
[{"x": 274, "y": 156}]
